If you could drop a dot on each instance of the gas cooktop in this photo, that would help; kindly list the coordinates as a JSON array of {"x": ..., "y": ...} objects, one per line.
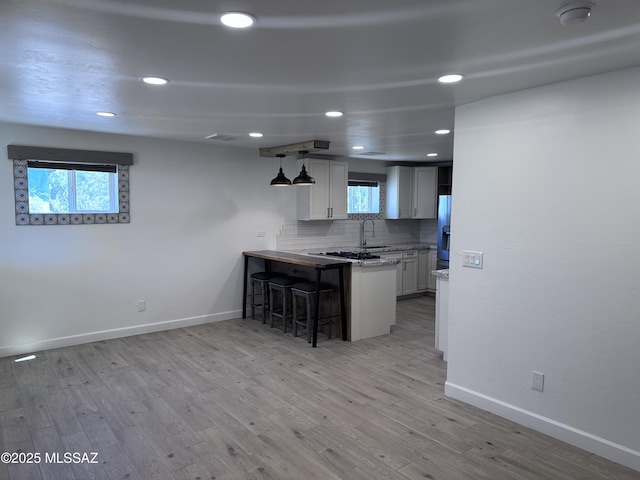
[{"x": 353, "y": 255}]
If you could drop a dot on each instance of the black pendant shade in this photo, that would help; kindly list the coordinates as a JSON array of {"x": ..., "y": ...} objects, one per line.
[
  {"x": 280, "y": 180},
  {"x": 304, "y": 178}
]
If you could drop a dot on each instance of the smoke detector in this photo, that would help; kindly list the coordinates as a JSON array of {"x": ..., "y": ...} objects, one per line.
[{"x": 576, "y": 12}]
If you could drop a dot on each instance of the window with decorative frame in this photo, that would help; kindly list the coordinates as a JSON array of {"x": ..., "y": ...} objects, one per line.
[
  {"x": 56, "y": 186},
  {"x": 365, "y": 196}
]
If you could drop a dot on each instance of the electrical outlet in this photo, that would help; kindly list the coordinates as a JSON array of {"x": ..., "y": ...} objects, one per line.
[
  {"x": 537, "y": 382},
  {"x": 142, "y": 305}
]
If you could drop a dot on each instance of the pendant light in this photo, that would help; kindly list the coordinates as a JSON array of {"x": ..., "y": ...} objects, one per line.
[
  {"x": 304, "y": 178},
  {"x": 280, "y": 180}
]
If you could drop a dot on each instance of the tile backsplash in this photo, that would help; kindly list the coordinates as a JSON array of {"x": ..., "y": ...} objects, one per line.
[{"x": 309, "y": 235}]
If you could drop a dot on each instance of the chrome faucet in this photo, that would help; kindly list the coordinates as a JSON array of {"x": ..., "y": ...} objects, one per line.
[{"x": 363, "y": 235}]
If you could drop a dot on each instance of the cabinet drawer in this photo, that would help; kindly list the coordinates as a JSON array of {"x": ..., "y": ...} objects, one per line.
[{"x": 409, "y": 253}]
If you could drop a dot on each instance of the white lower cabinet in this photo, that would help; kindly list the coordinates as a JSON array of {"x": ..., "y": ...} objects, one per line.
[
  {"x": 373, "y": 306},
  {"x": 409, "y": 272},
  {"x": 427, "y": 262},
  {"x": 442, "y": 315},
  {"x": 433, "y": 265},
  {"x": 423, "y": 267},
  {"x": 399, "y": 269},
  {"x": 413, "y": 271}
]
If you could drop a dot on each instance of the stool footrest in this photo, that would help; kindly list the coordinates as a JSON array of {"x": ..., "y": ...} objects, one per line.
[
  {"x": 263, "y": 275},
  {"x": 310, "y": 287}
]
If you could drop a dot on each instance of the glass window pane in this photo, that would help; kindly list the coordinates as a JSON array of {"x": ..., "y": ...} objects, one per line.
[
  {"x": 69, "y": 191},
  {"x": 363, "y": 199},
  {"x": 48, "y": 190},
  {"x": 375, "y": 200},
  {"x": 93, "y": 193}
]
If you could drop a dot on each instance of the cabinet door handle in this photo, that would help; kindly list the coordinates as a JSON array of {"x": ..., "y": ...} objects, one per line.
[
  {"x": 415, "y": 212},
  {"x": 328, "y": 213},
  {"x": 331, "y": 212}
]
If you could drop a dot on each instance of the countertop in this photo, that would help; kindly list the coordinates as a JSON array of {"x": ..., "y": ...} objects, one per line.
[
  {"x": 297, "y": 258},
  {"x": 374, "y": 249},
  {"x": 397, "y": 247},
  {"x": 373, "y": 262},
  {"x": 443, "y": 273}
]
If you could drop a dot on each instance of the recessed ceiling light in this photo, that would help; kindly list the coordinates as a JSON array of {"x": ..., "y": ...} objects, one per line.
[
  {"x": 237, "y": 19},
  {"x": 334, "y": 113},
  {"x": 451, "y": 78},
  {"x": 155, "y": 80},
  {"x": 358, "y": 147},
  {"x": 106, "y": 114},
  {"x": 442, "y": 131},
  {"x": 575, "y": 12},
  {"x": 432, "y": 154},
  {"x": 255, "y": 134}
]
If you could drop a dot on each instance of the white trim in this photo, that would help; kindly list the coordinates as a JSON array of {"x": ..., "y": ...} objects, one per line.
[
  {"x": 60, "y": 342},
  {"x": 581, "y": 439}
]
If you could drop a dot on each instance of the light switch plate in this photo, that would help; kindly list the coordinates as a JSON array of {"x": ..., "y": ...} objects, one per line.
[{"x": 472, "y": 259}]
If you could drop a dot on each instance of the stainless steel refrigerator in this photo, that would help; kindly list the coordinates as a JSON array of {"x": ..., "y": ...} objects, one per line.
[{"x": 444, "y": 230}]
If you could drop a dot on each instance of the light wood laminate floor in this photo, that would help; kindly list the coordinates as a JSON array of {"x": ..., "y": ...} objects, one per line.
[{"x": 239, "y": 400}]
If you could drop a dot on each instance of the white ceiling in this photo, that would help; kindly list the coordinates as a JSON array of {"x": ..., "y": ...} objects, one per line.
[{"x": 376, "y": 60}]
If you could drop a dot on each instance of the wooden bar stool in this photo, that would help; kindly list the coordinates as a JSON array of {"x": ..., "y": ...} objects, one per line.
[
  {"x": 307, "y": 291},
  {"x": 280, "y": 299},
  {"x": 261, "y": 280}
]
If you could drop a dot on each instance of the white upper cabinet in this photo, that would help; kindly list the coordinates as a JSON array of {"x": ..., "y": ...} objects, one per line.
[
  {"x": 327, "y": 199},
  {"x": 425, "y": 185},
  {"x": 399, "y": 195},
  {"x": 411, "y": 192},
  {"x": 339, "y": 172}
]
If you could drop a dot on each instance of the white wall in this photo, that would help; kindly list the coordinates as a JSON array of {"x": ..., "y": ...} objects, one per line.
[
  {"x": 547, "y": 185},
  {"x": 194, "y": 209}
]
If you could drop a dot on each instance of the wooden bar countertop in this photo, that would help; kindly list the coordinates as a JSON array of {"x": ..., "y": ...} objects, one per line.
[{"x": 297, "y": 259}]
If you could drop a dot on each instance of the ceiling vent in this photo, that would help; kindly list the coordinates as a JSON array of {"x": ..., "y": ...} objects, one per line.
[
  {"x": 221, "y": 136},
  {"x": 576, "y": 12}
]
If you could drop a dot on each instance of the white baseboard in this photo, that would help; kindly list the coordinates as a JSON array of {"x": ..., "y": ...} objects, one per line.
[
  {"x": 587, "y": 441},
  {"x": 46, "y": 344}
]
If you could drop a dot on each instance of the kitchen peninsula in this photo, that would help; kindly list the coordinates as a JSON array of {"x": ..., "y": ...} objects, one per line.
[{"x": 366, "y": 287}]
